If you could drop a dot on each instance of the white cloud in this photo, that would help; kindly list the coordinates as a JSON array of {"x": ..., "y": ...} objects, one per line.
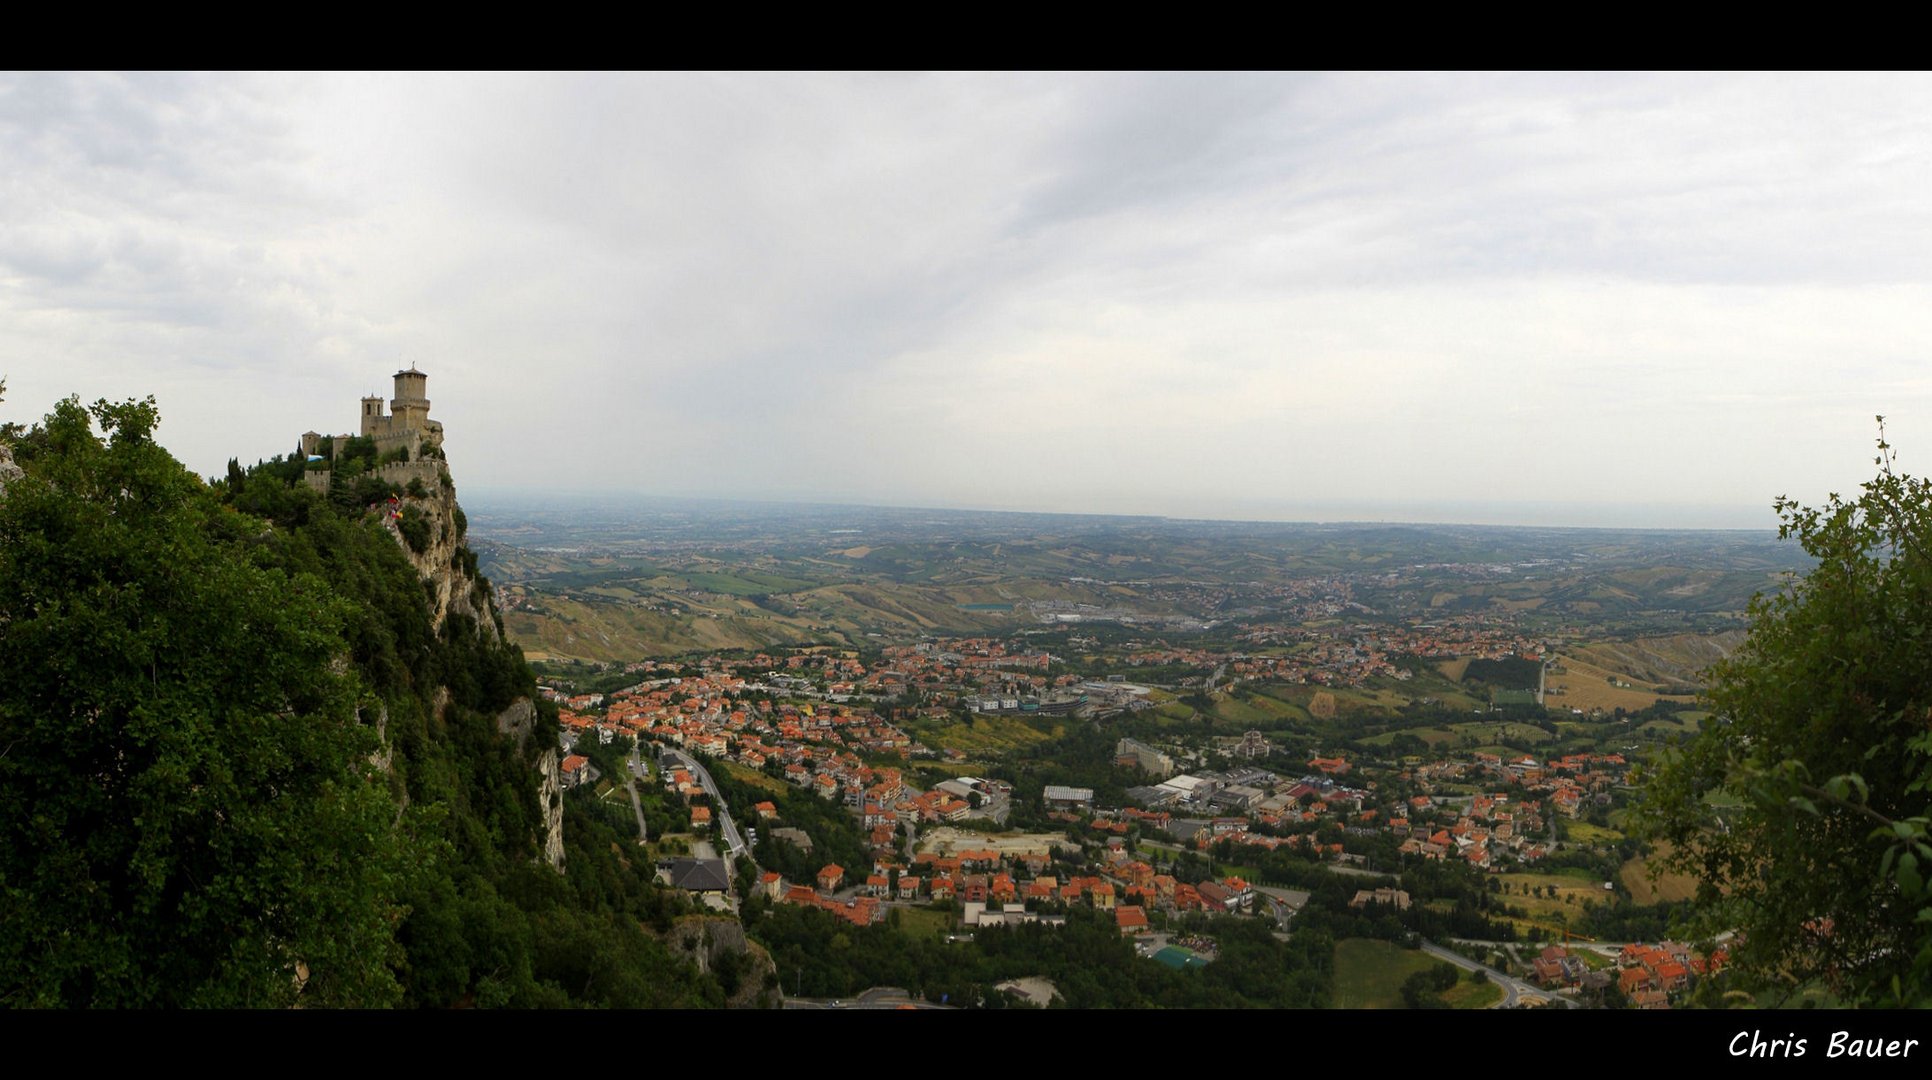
[{"x": 1191, "y": 294}]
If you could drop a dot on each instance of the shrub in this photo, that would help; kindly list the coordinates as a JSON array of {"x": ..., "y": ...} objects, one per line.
[{"x": 415, "y": 529}]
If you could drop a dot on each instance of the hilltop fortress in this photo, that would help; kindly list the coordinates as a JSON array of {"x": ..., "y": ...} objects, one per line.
[
  {"x": 407, "y": 427},
  {"x": 408, "y": 423}
]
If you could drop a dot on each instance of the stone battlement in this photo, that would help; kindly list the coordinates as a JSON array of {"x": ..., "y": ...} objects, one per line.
[
  {"x": 407, "y": 426},
  {"x": 429, "y": 471}
]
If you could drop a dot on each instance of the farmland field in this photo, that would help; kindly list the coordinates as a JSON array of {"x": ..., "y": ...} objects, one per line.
[
  {"x": 1565, "y": 907},
  {"x": 1636, "y": 877},
  {"x": 1583, "y": 832},
  {"x": 1586, "y": 686}
]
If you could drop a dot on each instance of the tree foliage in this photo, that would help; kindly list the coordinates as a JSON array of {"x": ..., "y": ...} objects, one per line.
[
  {"x": 1802, "y": 807},
  {"x": 240, "y": 765},
  {"x": 1087, "y": 960},
  {"x": 188, "y": 812}
]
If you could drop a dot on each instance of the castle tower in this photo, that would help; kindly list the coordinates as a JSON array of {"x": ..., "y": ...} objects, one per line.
[
  {"x": 410, "y": 406},
  {"x": 371, "y": 415}
]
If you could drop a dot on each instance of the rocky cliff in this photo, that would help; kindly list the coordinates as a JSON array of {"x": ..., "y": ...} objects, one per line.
[
  {"x": 438, "y": 552},
  {"x": 720, "y": 949},
  {"x": 516, "y": 722},
  {"x": 430, "y": 527},
  {"x": 9, "y": 472}
]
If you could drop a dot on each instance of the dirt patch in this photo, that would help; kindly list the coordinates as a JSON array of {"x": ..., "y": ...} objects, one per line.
[
  {"x": 1668, "y": 886},
  {"x": 945, "y": 842}
]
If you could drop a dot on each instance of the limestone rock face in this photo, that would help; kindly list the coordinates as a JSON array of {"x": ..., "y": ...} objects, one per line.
[
  {"x": 550, "y": 798},
  {"x": 9, "y": 472},
  {"x": 516, "y": 722},
  {"x": 453, "y": 586},
  {"x": 707, "y": 939}
]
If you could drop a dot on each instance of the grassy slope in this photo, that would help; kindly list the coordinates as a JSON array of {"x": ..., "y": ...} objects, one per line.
[{"x": 1369, "y": 975}]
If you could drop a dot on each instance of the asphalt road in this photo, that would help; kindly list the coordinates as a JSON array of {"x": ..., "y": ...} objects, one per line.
[
  {"x": 1514, "y": 989},
  {"x": 879, "y": 997},
  {"x": 637, "y": 801},
  {"x": 734, "y": 843}
]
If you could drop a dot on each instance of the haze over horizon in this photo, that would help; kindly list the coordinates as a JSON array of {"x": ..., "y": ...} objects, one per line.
[
  {"x": 1503, "y": 515},
  {"x": 1597, "y": 300}
]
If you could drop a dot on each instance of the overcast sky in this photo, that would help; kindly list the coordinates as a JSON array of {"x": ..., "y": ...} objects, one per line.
[{"x": 1537, "y": 299}]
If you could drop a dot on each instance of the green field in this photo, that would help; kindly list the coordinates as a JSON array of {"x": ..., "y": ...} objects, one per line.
[
  {"x": 1432, "y": 736},
  {"x": 745, "y": 774},
  {"x": 1572, "y": 888},
  {"x": 1467, "y": 994},
  {"x": 921, "y": 923},
  {"x": 1278, "y": 699},
  {"x": 1241, "y": 712},
  {"x": 991, "y": 734},
  {"x": 1583, "y": 832},
  {"x": 1369, "y": 975}
]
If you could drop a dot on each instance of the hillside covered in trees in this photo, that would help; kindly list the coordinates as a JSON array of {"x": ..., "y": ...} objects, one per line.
[{"x": 242, "y": 765}]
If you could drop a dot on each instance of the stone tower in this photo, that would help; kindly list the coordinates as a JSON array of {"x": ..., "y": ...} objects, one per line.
[
  {"x": 410, "y": 406},
  {"x": 408, "y": 424}
]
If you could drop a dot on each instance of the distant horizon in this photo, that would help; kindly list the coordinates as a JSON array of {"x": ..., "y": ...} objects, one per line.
[{"x": 497, "y": 495}]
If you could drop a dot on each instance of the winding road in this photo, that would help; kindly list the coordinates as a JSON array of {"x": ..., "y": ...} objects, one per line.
[
  {"x": 1514, "y": 989},
  {"x": 734, "y": 843},
  {"x": 637, "y": 802}
]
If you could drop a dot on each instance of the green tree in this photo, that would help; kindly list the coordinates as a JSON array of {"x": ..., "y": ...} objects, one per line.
[
  {"x": 415, "y": 528},
  {"x": 188, "y": 810},
  {"x": 1802, "y": 807}
]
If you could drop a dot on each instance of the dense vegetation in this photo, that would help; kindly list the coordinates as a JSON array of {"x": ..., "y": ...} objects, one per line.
[
  {"x": 242, "y": 768},
  {"x": 834, "y": 832},
  {"x": 1088, "y": 961},
  {"x": 1512, "y": 673},
  {"x": 1803, "y": 809}
]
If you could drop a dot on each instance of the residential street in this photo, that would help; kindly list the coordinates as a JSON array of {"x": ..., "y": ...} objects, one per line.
[
  {"x": 734, "y": 843},
  {"x": 637, "y": 803},
  {"x": 1514, "y": 989}
]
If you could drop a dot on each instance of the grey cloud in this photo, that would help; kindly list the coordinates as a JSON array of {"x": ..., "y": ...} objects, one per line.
[
  {"x": 1107, "y": 290},
  {"x": 1150, "y": 141}
]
